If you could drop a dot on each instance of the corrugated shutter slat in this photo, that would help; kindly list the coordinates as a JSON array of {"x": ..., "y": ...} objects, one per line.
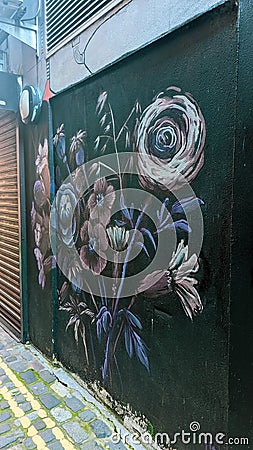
[{"x": 9, "y": 225}]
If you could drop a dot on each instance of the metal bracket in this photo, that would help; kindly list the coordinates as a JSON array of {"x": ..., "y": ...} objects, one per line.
[{"x": 24, "y": 33}]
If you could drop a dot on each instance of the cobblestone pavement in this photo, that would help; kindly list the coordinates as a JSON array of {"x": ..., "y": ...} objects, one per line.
[{"x": 44, "y": 407}]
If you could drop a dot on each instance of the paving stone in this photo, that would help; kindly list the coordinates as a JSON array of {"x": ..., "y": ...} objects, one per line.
[
  {"x": 15, "y": 391},
  {"x": 27, "y": 355},
  {"x": 47, "y": 376},
  {"x": 39, "y": 425},
  {"x": 32, "y": 416},
  {"x": 4, "y": 427},
  {"x": 47, "y": 436},
  {"x": 39, "y": 388},
  {"x": 100, "y": 429},
  {"x": 36, "y": 365},
  {"x": 11, "y": 359},
  {"x": 4, "y": 405},
  {"x": 4, "y": 416},
  {"x": 49, "y": 400},
  {"x": 9, "y": 385},
  {"x": 60, "y": 389},
  {"x": 114, "y": 446},
  {"x": 28, "y": 377},
  {"x": 60, "y": 414},
  {"x": 5, "y": 353},
  {"x": 10, "y": 438},
  {"x": 4, "y": 378},
  {"x": 18, "y": 366},
  {"x": 74, "y": 404},
  {"x": 25, "y": 406},
  {"x": 20, "y": 398},
  {"x": 87, "y": 415},
  {"x": 29, "y": 444},
  {"x": 91, "y": 445},
  {"x": 75, "y": 432},
  {"x": 78, "y": 395},
  {"x": 55, "y": 445}
]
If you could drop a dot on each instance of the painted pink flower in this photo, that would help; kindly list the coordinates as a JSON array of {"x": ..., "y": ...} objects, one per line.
[
  {"x": 177, "y": 278},
  {"x": 170, "y": 140},
  {"x": 42, "y": 168},
  {"x": 101, "y": 201},
  {"x": 95, "y": 243}
]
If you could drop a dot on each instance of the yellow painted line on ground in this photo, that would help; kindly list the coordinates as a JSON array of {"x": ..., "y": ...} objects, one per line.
[
  {"x": 19, "y": 414},
  {"x": 25, "y": 421}
]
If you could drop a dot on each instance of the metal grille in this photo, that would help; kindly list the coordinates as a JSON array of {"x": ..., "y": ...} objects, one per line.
[
  {"x": 9, "y": 224},
  {"x": 65, "y": 18}
]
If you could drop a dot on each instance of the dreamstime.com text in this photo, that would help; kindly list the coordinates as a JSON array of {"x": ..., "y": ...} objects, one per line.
[{"x": 187, "y": 437}]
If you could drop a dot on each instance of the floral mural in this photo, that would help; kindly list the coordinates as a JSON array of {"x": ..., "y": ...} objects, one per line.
[
  {"x": 167, "y": 140},
  {"x": 40, "y": 214}
]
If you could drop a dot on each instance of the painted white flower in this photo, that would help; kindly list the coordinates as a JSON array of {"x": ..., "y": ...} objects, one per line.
[
  {"x": 178, "y": 278},
  {"x": 118, "y": 237},
  {"x": 42, "y": 157},
  {"x": 41, "y": 164}
]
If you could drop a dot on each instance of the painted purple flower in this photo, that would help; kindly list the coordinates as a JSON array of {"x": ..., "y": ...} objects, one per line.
[
  {"x": 177, "y": 278},
  {"x": 169, "y": 141},
  {"x": 77, "y": 154},
  {"x": 40, "y": 195},
  {"x": 95, "y": 243},
  {"x": 60, "y": 143},
  {"x": 101, "y": 201}
]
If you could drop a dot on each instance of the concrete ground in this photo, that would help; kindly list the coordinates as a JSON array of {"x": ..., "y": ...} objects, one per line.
[{"x": 44, "y": 407}]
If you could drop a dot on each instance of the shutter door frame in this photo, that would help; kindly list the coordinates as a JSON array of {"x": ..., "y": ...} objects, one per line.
[{"x": 10, "y": 230}]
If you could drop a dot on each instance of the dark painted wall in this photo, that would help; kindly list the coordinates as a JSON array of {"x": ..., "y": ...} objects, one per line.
[
  {"x": 39, "y": 300},
  {"x": 241, "y": 348}
]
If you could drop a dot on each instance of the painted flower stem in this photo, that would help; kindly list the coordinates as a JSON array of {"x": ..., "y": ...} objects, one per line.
[
  {"x": 115, "y": 146},
  {"x": 122, "y": 326},
  {"x": 125, "y": 123},
  {"x": 123, "y": 274},
  {"x": 129, "y": 249},
  {"x": 85, "y": 344}
]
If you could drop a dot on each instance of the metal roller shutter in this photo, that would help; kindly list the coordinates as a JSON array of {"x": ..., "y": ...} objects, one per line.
[{"x": 9, "y": 225}]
